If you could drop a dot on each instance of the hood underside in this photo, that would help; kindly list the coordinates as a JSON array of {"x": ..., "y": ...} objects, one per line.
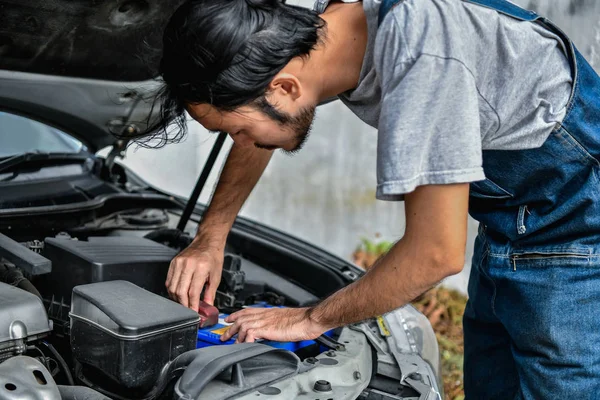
[
  {"x": 87, "y": 67},
  {"x": 84, "y": 66},
  {"x": 116, "y": 40}
]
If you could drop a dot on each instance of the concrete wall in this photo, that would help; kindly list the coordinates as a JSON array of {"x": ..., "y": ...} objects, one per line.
[{"x": 326, "y": 194}]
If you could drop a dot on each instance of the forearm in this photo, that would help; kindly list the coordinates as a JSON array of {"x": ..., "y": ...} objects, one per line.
[
  {"x": 397, "y": 278},
  {"x": 241, "y": 172},
  {"x": 432, "y": 248}
]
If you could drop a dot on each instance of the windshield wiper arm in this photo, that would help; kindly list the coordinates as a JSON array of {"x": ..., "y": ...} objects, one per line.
[{"x": 43, "y": 158}]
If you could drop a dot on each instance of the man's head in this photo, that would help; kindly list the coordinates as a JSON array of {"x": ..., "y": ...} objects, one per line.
[{"x": 231, "y": 64}]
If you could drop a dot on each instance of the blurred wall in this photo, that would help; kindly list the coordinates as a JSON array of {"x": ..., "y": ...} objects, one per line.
[{"x": 326, "y": 194}]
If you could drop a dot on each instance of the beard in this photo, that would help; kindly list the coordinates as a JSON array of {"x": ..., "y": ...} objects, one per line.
[{"x": 300, "y": 125}]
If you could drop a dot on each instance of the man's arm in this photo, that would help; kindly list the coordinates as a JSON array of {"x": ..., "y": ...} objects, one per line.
[
  {"x": 200, "y": 265},
  {"x": 432, "y": 249},
  {"x": 242, "y": 170}
]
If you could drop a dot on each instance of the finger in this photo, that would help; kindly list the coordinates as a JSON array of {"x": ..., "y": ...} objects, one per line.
[
  {"x": 225, "y": 335},
  {"x": 229, "y": 333},
  {"x": 242, "y": 313},
  {"x": 241, "y": 326},
  {"x": 250, "y": 336},
  {"x": 172, "y": 289},
  {"x": 170, "y": 272},
  {"x": 241, "y": 334},
  {"x": 234, "y": 317},
  {"x": 249, "y": 325},
  {"x": 196, "y": 285},
  {"x": 183, "y": 285},
  {"x": 210, "y": 290},
  {"x": 245, "y": 327}
]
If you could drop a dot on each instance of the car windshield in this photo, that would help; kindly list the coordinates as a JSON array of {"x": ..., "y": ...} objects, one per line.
[{"x": 20, "y": 135}]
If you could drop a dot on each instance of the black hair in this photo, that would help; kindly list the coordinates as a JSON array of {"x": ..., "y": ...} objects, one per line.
[{"x": 225, "y": 53}]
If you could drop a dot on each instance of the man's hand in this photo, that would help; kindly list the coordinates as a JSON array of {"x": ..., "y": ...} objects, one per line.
[
  {"x": 197, "y": 267},
  {"x": 279, "y": 324},
  {"x": 200, "y": 265}
]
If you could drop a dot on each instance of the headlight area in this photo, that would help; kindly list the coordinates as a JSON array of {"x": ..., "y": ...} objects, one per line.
[
  {"x": 407, "y": 357},
  {"x": 414, "y": 333}
]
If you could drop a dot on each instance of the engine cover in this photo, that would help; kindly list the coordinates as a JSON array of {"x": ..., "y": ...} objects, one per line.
[
  {"x": 22, "y": 319},
  {"x": 78, "y": 262},
  {"x": 98, "y": 259},
  {"x": 128, "y": 334}
]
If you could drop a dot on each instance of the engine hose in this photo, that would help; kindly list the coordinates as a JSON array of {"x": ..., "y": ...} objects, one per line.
[
  {"x": 330, "y": 343},
  {"x": 177, "y": 366},
  {"x": 14, "y": 276},
  {"x": 43, "y": 360},
  {"x": 61, "y": 361},
  {"x": 168, "y": 373},
  {"x": 172, "y": 237},
  {"x": 26, "y": 284}
]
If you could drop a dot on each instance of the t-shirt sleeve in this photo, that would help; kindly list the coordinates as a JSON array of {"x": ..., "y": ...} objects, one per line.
[{"x": 429, "y": 131}]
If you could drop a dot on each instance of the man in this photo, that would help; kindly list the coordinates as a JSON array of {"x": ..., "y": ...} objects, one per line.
[{"x": 481, "y": 107}]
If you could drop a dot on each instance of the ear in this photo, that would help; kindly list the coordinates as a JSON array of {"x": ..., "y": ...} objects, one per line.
[{"x": 286, "y": 84}]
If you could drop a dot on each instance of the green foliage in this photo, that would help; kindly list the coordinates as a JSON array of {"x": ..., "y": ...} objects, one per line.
[
  {"x": 375, "y": 248},
  {"x": 443, "y": 307}
]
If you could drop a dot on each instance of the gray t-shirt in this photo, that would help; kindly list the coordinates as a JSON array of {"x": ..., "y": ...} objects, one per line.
[{"x": 443, "y": 80}]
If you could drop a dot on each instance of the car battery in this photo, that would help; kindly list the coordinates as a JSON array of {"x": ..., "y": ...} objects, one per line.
[{"x": 211, "y": 336}]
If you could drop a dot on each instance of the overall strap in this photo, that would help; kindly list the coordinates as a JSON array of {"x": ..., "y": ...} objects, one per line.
[
  {"x": 385, "y": 7},
  {"x": 508, "y": 8}
]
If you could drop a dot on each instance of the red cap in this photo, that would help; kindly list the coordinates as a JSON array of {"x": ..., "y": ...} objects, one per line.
[{"x": 209, "y": 315}]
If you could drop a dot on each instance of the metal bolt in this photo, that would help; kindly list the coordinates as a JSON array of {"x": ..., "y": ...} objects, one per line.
[
  {"x": 322, "y": 386},
  {"x": 416, "y": 376},
  {"x": 311, "y": 360},
  {"x": 331, "y": 353},
  {"x": 357, "y": 375}
]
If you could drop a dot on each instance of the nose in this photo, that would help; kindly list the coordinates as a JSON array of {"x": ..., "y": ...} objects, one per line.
[{"x": 241, "y": 139}]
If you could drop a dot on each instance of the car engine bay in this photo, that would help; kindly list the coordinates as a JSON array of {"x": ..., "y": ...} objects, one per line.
[{"x": 84, "y": 314}]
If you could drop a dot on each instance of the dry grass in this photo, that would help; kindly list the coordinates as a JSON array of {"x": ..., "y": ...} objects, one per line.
[{"x": 444, "y": 308}]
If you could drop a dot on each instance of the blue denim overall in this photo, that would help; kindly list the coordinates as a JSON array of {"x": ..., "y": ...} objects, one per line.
[{"x": 532, "y": 323}]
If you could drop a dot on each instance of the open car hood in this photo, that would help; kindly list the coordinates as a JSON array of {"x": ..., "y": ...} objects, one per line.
[
  {"x": 87, "y": 68},
  {"x": 81, "y": 66}
]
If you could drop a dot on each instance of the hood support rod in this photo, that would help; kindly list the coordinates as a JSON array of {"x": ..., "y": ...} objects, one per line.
[{"x": 208, "y": 166}]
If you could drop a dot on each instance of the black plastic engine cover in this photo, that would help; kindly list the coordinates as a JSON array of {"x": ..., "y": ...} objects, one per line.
[
  {"x": 78, "y": 262},
  {"x": 129, "y": 334}
]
